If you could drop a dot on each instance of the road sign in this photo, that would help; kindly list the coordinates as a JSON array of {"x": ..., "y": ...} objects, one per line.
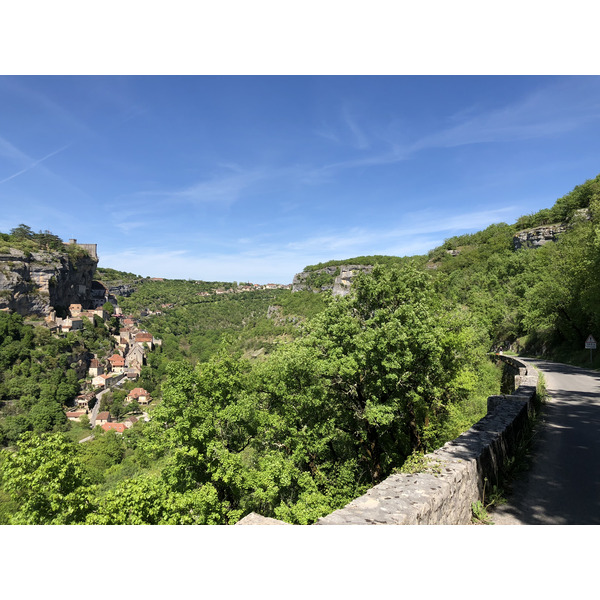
[{"x": 590, "y": 343}]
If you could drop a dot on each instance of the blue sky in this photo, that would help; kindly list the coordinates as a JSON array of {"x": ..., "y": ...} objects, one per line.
[{"x": 253, "y": 177}]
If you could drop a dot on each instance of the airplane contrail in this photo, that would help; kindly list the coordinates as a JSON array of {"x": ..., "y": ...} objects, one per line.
[{"x": 34, "y": 164}]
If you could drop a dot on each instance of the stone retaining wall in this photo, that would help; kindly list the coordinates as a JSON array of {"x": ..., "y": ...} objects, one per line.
[{"x": 457, "y": 474}]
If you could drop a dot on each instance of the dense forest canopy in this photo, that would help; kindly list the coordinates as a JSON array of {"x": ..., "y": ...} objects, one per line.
[{"x": 291, "y": 404}]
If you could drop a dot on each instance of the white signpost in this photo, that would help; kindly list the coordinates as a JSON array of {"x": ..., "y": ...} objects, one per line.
[{"x": 591, "y": 344}]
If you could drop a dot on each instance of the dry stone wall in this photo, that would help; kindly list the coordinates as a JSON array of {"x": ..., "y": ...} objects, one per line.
[{"x": 457, "y": 472}]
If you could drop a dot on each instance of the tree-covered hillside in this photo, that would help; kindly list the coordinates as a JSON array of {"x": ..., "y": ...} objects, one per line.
[
  {"x": 35, "y": 379},
  {"x": 38, "y": 376},
  {"x": 542, "y": 300}
]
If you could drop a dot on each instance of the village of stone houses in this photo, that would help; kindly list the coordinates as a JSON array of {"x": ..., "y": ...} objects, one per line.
[{"x": 131, "y": 346}]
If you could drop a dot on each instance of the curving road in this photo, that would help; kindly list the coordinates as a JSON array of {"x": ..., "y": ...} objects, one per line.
[{"x": 562, "y": 486}]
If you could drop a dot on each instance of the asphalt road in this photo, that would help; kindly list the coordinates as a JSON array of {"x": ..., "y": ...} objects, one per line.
[{"x": 562, "y": 485}]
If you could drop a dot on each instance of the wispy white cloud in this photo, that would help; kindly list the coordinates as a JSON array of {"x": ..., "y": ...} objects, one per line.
[
  {"x": 232, "y": 184},
  {"x": 223, "y": 189},
  {"x": 552, "y": 110},
  {"x": 428, "y": 222},
  {"x": 128, "y": 226},
  {"x": 43, "y": 104},
  {"x": 262, "y": 261},
  {"x": 391, "y": 155},
  {"x": 326, "y": 133},
  {"x": 555, "y": 109},
  {"x": 345, "y": 130},
  {"x": 359, "y": 138},
  {"x": 416, "y": 230},
  {"x": 11, "y": 152}
]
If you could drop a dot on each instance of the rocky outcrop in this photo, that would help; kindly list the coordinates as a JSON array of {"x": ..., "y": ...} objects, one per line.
[
  {"x": 338, "y": 279},
  {"x": 308, "y": 280},
  {"x": 538, "y": 236},
  {"x": 124, "y": 289},
  {"x": 34, "y": 283},
  {"x": 343, "y": 282}
]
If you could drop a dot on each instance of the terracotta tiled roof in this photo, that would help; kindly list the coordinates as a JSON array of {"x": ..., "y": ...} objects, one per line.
[{"x": 118, "y": 427}]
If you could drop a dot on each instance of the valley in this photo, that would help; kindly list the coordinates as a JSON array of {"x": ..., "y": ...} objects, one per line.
[{"x": 200, "y": 402}]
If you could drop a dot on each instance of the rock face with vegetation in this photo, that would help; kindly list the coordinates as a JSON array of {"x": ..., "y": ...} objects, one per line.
[
  {"x": 538, "y": 236},
  {"x": 343, "y": 282},
  {"x": 31, "y": 283},
  {"x": 314, "y": 280},
  {"x": 337, "y": 278}
]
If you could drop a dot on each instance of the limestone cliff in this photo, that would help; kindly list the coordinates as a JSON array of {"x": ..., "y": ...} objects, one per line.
[
  {"x": 343, "y": 282},
  {"x": 538, "y": 236},
  {"x": 33, "y": 283},
  {"x": 338, "y": 279}
]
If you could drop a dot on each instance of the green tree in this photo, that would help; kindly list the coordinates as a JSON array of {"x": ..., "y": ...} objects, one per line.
[
  {"x": 46, "y": 239},
  {"x": 101, "y": 453},
  {"x": 22, "y": 232},
  {"x": 395, "y": 355},
  {"x": 45, "y": 477},
  {"x": 149, "y": 501},
  {"x": 563, "y": 305}
]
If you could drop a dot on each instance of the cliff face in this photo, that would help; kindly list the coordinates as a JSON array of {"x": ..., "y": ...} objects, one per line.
[
  {"x": 33, "y": 284},
  {"x": 310, "y": 280},
  {"x": 343, "y": 282},
  {"x": 538, "y": 236},
  {"x": 337, "y": 279}
]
